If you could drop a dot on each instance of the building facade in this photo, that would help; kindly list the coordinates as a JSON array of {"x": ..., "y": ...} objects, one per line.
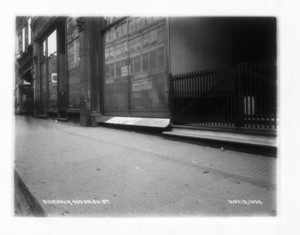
[
  {"x": 24, "y": 67},
  {"x": 201, "y": 71}
]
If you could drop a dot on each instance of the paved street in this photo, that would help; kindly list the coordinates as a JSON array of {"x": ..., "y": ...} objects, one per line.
[{"x": 99, "y": 171}]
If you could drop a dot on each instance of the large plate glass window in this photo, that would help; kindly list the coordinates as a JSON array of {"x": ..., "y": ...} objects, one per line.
[
  {"x": 49, "y": 73},
  {"x": 52, "y": 70},
  {"x": 136, "y": 71}
]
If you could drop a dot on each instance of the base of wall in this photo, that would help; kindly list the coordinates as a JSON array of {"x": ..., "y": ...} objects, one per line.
[
  {"x": 228, "y": 137},
  {"x": 85, "y": 120}
]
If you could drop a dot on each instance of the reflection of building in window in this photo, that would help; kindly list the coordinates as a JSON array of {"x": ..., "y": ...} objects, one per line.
[
  {"x": 137, "y": 43},
  {"x": 131, "y": 26},
  {"x": 111, "y": 52},
  {"x": 160, "y": 57},
  {"x": 134, "y": 47},
  {"x": 137, "y": 64},
  {"x": 118, "y": 50},
  {"x": 152, "y": 59},
  {"x": 106, "y": 71},
  {"x": 149, "y": 20},
  {"x": 119, "y": 66},
  {"x": 107, "y": 39},
  {"x": 145, "y": 62},
  {"x": 153, "y": 36},
  {"x": 111, "y": 71},
  {"x": 113, "y": 34},
  {"x": 131, "y": 45},
  {"x": 124, "y": 29},
  {"x": 161, "y": 34},
  {"x": 137, "y": 23},
  {"x": 125, "y": 47},
  {"x": 146, "y": 40}
]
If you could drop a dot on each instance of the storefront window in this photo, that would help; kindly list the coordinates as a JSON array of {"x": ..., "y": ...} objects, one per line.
[
  {"x": 52, "y": 69},
  {"x": 136, "y": 81},
  {"x": 49, "y": 72}
]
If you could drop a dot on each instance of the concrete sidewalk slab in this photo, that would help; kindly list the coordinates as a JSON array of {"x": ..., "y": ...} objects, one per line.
[
  {"x": 134, "y": 174},
  {"x": 234, "y": 198}
]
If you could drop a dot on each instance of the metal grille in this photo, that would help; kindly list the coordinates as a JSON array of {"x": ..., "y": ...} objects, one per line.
[{"x": 238, "y": 96}]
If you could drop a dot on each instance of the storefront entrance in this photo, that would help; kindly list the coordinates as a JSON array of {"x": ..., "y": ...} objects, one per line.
[
  {"x": 49, "y": 74},
  {"x": 53, "y": 76}
]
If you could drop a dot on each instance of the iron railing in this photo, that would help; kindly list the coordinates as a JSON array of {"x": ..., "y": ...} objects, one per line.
[{"x": 241, "y": 96}]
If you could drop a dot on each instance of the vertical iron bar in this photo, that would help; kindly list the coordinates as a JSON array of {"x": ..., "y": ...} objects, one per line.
[
  {"x": 200, "y": 77},
  {"x": 274, "y": 69},
  {"x": 180, "y": 99},
  {"x": 206, "y": 98},
  {"x": 260, "y": 102},
  {"x": 185, "y": 113},
  {"x": 209, "y": 96},
  {"x": 271, "y": 92},
  {"x": 214, "y": 96},
  {"x": 222, "y": 96},
  {"x": 217, "y": 95},
  {"x": 200, "y": 106},
  {"x": 222, "y": 82},
  {"x": 171, "y": 97},
  {"x": 247, "y": 97},
  {"x": 253, "y": 77},
  {"x": 239, "y": 123},
  {"x": 196, "y": 98}
]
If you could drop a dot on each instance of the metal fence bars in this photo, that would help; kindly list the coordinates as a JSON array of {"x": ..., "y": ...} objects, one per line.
[{"x": 241, "y": 96}]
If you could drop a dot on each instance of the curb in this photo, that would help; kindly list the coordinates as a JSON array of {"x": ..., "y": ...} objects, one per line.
[{"x": 33, "y": 207}]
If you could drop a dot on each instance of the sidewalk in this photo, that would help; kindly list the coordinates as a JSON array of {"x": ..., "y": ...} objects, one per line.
[{"x": 79, "y": 171}]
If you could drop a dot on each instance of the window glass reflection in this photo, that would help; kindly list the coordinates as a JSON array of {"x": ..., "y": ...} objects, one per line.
[
  {"x": 44, "y": 48},
  {"x": 52, "y": 43}
]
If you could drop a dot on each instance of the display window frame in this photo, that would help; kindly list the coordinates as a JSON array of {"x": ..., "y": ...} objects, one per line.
[
  {"x": 48, "y": 71},
  {"x": 52, "y": 69}
]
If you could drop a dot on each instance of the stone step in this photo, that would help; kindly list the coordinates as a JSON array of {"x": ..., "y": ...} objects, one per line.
[{"x": 258, "y": 140}]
